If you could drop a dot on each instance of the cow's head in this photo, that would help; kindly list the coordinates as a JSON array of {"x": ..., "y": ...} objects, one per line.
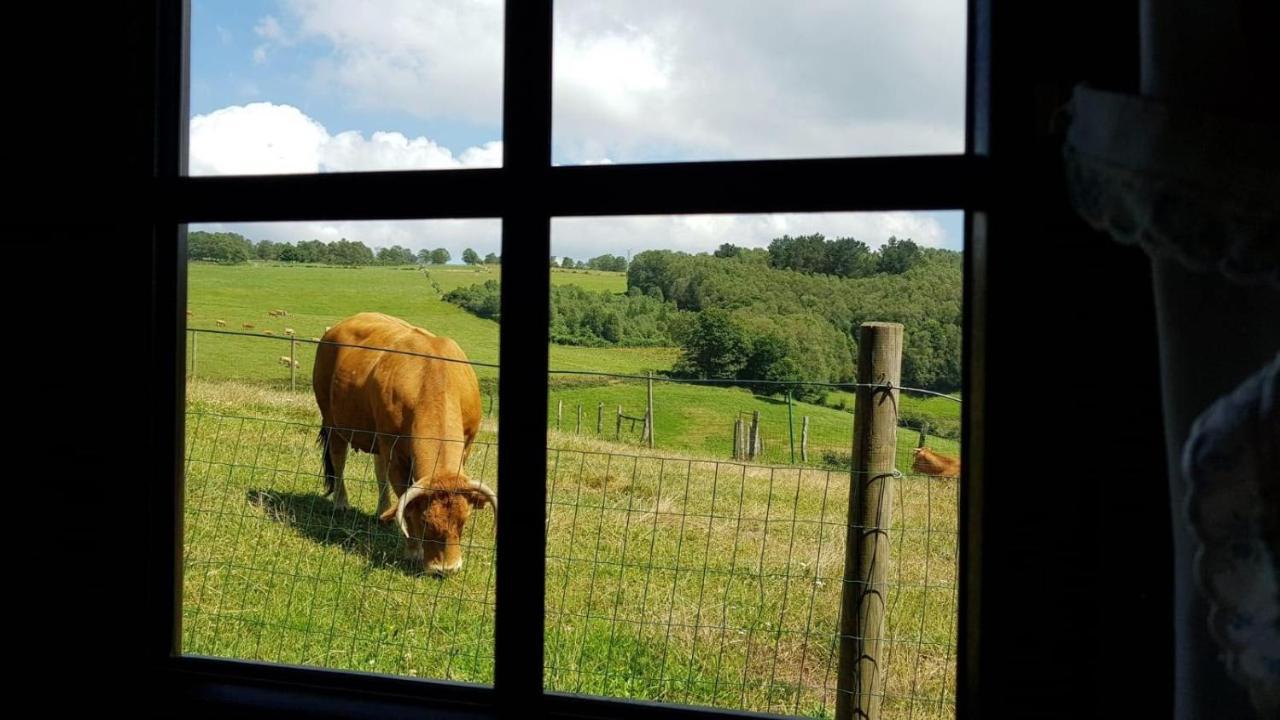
[{"x": 437, "y": 515}]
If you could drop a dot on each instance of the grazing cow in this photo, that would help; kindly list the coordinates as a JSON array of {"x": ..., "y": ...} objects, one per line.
[
  {"x": 929, "y": 462},
  {"x": 417, "y": 415},
  {"x": 284, "y": 360},
  {"x": 247, "y": 326},
  {"x": 220, "y": 323},
  {"x": 268, "y": 332},
  {"x": 288, "y": 331}
]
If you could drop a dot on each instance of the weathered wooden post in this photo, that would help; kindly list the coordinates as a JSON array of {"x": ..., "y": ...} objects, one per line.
[
  {"x": 577, "y": 429},
  {"x": 559, "y": 413},
  {"x": 753, "y": 441},
  {"x": 860, "y": 679},
  {"x": 648, "y": 413},
  {"x": 600, "y": 418},
  {"x": 617, "y": 434},
  {"x": 194, "y": 335},
  {"x": 924, "y": 430},
  {"x": 804, "y": 440},
  {"x": 293, "y": 348},
  {"x": 791, "y": 428},
  {"x": 737, "y": 438}
]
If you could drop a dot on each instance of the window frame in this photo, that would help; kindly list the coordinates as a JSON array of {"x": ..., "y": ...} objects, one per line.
[{"x": 525, "y": 193}]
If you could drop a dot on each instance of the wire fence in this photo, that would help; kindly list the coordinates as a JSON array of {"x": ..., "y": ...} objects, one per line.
[{"x": 674, "y": 573}]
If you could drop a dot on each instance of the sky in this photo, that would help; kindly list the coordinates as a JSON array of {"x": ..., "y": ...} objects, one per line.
[{"x": 304, "y": 86}]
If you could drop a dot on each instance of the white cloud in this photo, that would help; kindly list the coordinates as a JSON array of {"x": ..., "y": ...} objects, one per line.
[
  {"x": 429, "y": 58},
  {"x": 654, "y": 80},
  {"x": 590, "y": 236},
  {"x": 269, "y": 28},
  {"x": 260, "y": 54},
  {"x": 263, "y": 138}
]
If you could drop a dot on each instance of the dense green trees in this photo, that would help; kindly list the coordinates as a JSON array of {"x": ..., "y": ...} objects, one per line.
[
  {"x": 806, "y": 322},
  {"x": 470, "y": 257},
  {"x": 228, "y": 248},
  {"x": 585, "y": 317}
]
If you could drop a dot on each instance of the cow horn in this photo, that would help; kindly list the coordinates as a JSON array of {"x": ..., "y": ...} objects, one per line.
[
  {"x": 405, "y": 499},
  {"x": 488, "y": 493}
]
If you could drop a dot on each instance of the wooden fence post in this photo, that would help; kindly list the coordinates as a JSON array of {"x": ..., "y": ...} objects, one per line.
[
  {"x": 293, "y": 345},
  {"x": 617, "y": 435},
  {"x": 804, "y": 440},
  {"x": 860, "y": 680},
  {"x": 194, "y": 335},
  {"x": 737, "y": 438},
  {"x": 791, "y": 429},
  {"x": 559, "y": 413},
  {"x": 577, "y": 429},
  {"x": 753, "y": 441},
  {"x": 600, "y": 418},
  {"x": 648, "y": 413}
]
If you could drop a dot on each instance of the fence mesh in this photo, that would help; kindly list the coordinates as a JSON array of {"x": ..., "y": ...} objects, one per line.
[{"x": 675, "y": 574}]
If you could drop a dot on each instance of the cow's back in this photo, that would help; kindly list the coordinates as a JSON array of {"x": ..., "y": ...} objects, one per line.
[{"x": 391, "y": 392}]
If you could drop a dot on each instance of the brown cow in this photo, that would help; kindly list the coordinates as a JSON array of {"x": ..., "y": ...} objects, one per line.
[
  {"x": 929, "y": 462},
  {"x": 418, "y": 416}
]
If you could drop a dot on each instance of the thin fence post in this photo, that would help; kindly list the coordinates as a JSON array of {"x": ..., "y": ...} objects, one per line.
[
  {"x": 617, "y": 434},
  {"x": 791, "y": 428},
  {"x": 600, "y": 418},
  {"x": 559, "y": 413},
  {"x": 924, "y": 433},
  {"x": 194, "y": 335},
  {"x": 293, "y": 345},
  {"x": 648, "y": 413},
  {"x": 753, "y": 441},
  {"x": 860, "y": 680},
  {"x": 577, "y": 429},
  {"x": 804, "y": 440},
  {"x": 737, "y": 436}
]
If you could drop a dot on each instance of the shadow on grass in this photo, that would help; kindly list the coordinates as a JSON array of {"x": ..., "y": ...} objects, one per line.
[{"x": 352, "y": 530}]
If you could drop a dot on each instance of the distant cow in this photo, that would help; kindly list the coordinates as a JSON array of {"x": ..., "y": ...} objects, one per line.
[
  {"x": 289, "y": 331},
  {"x": 284, "y": 360},
  {"x": 277, "y": 313},
  {"x": 417, "y": 415},
  {"x": 220, "y": 323},
  {"x": 928, "y": 462},
  {"x": 268, "y": 332},
  {"x": 247, "y": 326}
]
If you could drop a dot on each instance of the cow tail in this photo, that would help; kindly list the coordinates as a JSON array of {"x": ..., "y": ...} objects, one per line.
[{"x": 323, "y": 441}]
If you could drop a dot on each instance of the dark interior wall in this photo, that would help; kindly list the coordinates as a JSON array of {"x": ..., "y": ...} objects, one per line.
[
  {"x": 1075, "y": 613},
  {"x": 1075, "y": 618}
]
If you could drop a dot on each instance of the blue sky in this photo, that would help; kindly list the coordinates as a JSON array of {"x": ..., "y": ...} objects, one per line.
[{"x": 335, "y": 85}]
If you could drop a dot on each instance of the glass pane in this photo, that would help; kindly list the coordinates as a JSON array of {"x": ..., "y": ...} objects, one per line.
[
  {"x": 311, "y": 86},
  {"x": 700, "y": 423},
  {"x": 294, "y": 379},
  {"x": 639, "y": 81}
]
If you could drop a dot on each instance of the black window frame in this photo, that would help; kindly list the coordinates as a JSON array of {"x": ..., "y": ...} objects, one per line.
[{"x": 525, "y": 193}]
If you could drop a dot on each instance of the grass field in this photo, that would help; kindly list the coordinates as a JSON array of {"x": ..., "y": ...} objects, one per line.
[
  {"x": 316, "y": 297},
  {"x": 670, "y": 577},
  {"x": 674, "y": 574}
]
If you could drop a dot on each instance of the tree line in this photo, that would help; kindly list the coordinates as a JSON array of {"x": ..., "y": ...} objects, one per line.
[{"x": 233, "y": 248}]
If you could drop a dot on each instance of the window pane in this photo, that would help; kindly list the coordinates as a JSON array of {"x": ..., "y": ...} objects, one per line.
[
  {"x": 275, "y": 568},
  {"x": 308, "y": 86},
  {"x": 702, "y": 562},
  {"x": 640, "y": 81}
]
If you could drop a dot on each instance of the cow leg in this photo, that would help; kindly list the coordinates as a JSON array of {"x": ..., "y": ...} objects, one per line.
[
  {"x": 380, "y": 466},
  {"x": 338, "y": 457}
]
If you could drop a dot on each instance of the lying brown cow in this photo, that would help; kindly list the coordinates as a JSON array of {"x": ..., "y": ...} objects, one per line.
[
  {"x": 418, "y": 416},
  {"x": 928, "y": 462}
]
